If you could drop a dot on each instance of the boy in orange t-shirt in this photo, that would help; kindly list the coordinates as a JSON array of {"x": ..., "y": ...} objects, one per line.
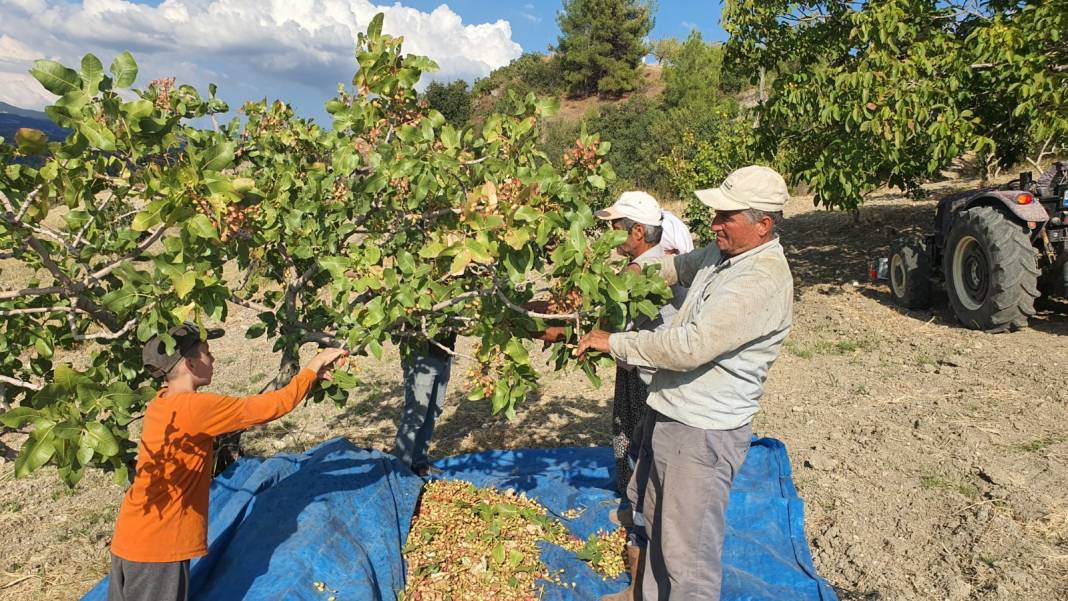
[{"x": 163, "y": 521}]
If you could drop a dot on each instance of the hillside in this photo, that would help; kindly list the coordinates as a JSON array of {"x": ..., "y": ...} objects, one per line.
[
  {"x": 13, "y": 118},
  {"x": 574, "y": 109}
]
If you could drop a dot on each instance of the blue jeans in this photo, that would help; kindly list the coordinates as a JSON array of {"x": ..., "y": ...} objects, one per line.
[{"x": 426, "y": 377}]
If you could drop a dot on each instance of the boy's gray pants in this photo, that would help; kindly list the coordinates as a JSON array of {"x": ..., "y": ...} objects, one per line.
[
  {"x": 681, "y": 484},
  {"x": 141, "y": 581}
]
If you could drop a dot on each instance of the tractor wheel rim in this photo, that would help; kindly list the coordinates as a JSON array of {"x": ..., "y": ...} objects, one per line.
[
  {"x": 971, "y": 273},
  {"x": 897, "y": 275}
]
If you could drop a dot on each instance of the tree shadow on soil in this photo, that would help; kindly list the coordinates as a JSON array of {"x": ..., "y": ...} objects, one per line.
[
  {"x": 558, "y": 422},
  {"x": 468, "y": 426},
  {"x": 829, "y": 248}
]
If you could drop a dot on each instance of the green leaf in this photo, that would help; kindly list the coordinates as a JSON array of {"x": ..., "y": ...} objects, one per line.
[
  {"x": 124, "y": 70},
  {"x": 121, "y": 300},
  {"x": 498, "y": 553},
  {"x": 35, "y": 452},
  {"x": 201, "y": 227},
  {"x": 92, "y": 74},
  {"x": 31, "y": 142},
  {"x": 335, "y": 266},
  {"x": 101, "y": 439},
  {"x": 121, "y": 476},
  {"x": 596, "y": 181},
  {"x": 99, "y": 136},
  {"x": 67, "y": 378},
  {"x": 152, "y": 215},
  {"x": 43, "y": 347},
  {"x": 460, "y": 262},
  {"x": 18, "y": 417},
  {"x": 527, "y": 213},
  {"x": 184, "y": 284},
  {"x": 84, "y": 455},
  {"x": 181, "y": 313},
  {"x": 374, "y": 30},
  {"x": 55, "y": 77},
  {"x": 517, "y": 352},
  {"x": 218, "y": 157}
]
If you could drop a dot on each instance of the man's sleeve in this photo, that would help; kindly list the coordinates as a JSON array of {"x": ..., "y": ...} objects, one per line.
[
  {"x": 682, "y": 269},
  {"x": 221, "y": 414},
  {"x": 732, "y": 316}
]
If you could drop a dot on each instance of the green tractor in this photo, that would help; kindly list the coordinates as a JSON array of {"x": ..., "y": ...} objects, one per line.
[{"x": 995, "y": 249}]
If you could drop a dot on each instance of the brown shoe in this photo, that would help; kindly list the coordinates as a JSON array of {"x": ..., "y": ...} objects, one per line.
[{"x": 624, "y": 518}]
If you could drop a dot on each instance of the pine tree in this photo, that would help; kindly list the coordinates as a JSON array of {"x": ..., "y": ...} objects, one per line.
[
  {"x": 692, "y": 75},
  {"x": 602, "y": 43}
]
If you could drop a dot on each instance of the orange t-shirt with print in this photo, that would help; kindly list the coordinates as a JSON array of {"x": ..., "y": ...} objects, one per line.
[{"x": 164, "y": 515}]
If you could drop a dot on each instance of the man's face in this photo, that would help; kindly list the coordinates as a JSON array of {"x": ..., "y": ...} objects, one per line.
[
  {"x": 201, "y": 365},
  {"x": 635, "y": 236},
  {"x": 735, "y": 234}
]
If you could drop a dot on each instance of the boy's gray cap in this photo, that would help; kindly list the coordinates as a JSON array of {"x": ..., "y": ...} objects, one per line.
[{"x": 186, "y": 336}]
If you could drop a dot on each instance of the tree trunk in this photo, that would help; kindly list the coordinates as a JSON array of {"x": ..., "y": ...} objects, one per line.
[{"x": 228, "y": 446}]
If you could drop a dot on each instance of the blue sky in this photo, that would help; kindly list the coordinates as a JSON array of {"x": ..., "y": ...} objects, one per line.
[
  {"x": 295, "y": 50},
  {"x": 534, "y": 23}
]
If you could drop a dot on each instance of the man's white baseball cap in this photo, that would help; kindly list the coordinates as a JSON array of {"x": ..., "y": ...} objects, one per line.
[
  {"x": 752, "y": 187},
  {"x": 636, "y": 206}
]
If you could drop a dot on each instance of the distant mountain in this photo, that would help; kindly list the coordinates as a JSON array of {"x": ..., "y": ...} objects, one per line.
[
  {"x": 12, "y": 118},
  {"x": 14, "y": 110}
]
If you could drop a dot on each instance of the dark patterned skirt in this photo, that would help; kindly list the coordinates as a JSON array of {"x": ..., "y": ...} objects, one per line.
[{"x": 628, "y": 411}]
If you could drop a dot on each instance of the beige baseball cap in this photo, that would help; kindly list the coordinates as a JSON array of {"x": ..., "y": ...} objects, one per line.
[
  {"x": 636, "y": 206},
  {"x": 752, "y": 187}
]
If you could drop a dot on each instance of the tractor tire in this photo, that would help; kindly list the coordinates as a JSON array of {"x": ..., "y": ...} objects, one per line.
[
  {"x": 991, "y": 271},
  {"x": 910, "y": 273}
]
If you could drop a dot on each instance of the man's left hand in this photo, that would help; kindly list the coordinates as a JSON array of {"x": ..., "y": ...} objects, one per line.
[{"x": 596, "y": 340}]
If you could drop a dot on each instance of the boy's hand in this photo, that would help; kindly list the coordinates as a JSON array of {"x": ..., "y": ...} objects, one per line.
[
  {"x": 322, "y": 364},
  {"x": 551, "y": 334}
]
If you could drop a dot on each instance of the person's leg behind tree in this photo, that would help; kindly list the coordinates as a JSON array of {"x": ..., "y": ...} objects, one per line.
[
  {"x": 426, "y": 379},
  {"x": 441, "y": 367}
]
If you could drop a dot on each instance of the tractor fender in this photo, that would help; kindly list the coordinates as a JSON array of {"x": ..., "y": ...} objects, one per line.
[{"x": 1032, "y": 211}]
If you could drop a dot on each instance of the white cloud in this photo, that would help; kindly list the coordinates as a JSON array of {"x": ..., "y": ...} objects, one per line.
[
  {"x": 528, "y": 13},
  {"x": 297, "y": 50}
]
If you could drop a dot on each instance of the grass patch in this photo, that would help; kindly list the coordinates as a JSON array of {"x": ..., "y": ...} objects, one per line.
[
  {"x": 922, "y": 359},
  {"x": 11, "y": 507},
  {"x": 937, "y": 482},
  {"x": 1040, "y": 444},
  {"x": 845, "y": 346}
]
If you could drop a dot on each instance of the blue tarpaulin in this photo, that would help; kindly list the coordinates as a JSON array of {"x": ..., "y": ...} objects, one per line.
[{"x": 338, "y": 515}]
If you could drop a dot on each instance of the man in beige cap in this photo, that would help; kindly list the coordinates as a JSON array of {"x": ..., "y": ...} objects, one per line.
[{"x": 711, "y": 365}]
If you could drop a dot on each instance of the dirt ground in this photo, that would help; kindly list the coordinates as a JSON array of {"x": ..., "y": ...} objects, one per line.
[{"x": 932, "y": 459}]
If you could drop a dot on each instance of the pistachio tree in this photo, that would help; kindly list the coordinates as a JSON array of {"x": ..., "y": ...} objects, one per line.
[
  {"x": 891, "y": 92},
  {"x": 388, "y": 225}
]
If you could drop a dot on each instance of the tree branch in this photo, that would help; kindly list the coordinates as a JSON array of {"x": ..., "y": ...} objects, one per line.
[
  {"x": 34, "y": 310},
  {"x": 10, "y": 294},
  {"x": 20, "y": 383},
  {"x": 25, "y": 205},
  {"x": 248, "y": 304},
  {"x": 107, "y": 269},
  {"x": 449, "y": 351},
  {"x": 534, "y": 314},
  {"x": 125, "y": 329}
]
